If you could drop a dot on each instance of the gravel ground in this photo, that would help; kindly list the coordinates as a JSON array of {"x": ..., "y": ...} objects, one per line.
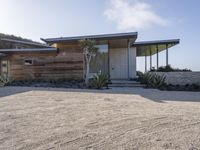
[{"x": 119, "y": 118}]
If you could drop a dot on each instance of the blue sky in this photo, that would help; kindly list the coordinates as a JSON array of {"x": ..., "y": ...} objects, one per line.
[{"x": 152, "y": 19}]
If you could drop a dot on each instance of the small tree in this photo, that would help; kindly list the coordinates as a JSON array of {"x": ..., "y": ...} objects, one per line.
[{"x": 89, "y": 51}]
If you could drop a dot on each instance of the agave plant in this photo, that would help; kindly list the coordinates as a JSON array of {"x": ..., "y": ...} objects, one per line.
[
  {"x": 99, "y": 81},
  {"x": 3, "y": 81},
  {"x": 140, "y": 75},
  {"x": 153, "y": 80},
  {"x": 157, "y": 80}
]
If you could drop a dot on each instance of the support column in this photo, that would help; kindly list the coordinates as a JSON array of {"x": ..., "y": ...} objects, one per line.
[
  {"x": 128, "y": 55},
  {"x": 167, "y": 55},
  {"x": 109, "y": 60},
  {"x": 145, "y": 61},
  {"x": 150, "y": 59},
  {"x": 157, "y": 57}
]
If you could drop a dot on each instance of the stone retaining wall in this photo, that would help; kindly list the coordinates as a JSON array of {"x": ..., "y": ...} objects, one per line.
[{"x": 181, "y": 78}]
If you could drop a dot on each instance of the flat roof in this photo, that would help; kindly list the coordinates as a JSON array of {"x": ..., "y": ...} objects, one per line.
[
  {"x": 158, "y": 42},
  {"x": 96, "y": 37},
  {"x": 29, "y": 50},
  {"x": 24, "y": 42},
  {"x": 150, "y": 47}
]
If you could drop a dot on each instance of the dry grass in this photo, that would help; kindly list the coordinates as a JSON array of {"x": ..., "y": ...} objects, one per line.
[{"x": 36, "y": 118}]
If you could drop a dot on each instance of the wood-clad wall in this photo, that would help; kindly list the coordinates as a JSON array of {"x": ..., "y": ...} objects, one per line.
[{"x": 66, "y": 63}]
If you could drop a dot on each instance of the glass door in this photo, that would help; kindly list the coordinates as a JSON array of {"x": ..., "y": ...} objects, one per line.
[{"x": 99, "y": 63}]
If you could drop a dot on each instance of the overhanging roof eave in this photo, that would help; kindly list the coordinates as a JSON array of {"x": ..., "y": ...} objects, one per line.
[
  {"x": 143, "y": 48},
  {"x": 96, "y": 37},
  {"x": 157, "y": 42},
  {"x": 28, "y": 50},
  {"x": 25, "y": 42}
]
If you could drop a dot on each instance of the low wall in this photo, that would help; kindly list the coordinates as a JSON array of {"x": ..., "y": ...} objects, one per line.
[{"x": 181, "y": 78}]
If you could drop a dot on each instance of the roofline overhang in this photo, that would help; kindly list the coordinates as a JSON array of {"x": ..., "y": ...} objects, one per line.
[
  {"x": 95, "y": 37},
  {"x": 157, "y": 42},
  {"x": 25, "y": 42},
  {"x": 148, "y": 48},
  {"x": 29, "y": 50}
]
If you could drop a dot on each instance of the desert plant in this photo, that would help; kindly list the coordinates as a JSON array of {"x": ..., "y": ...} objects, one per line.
[
  {"x": 139, "y": 75},
  {"x": 187, "y": 87},
  {"x": 3, "y": 81},
  {"x": 168, "y": 68},
  {"x": 152, "y": 69},
  {"x": 89, "y": 51},
  {"x": 153, "y": 80},
  {"x": 144, "y": 78},
  {"x": 158, "y": 81},
  {"x": 99, "y": 81}
]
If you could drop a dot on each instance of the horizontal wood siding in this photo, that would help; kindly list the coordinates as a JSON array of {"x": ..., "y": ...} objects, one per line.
[{"x": 67, "y": 63}]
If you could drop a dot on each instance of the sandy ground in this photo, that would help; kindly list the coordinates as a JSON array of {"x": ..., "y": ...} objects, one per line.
[{"x": 120, "y": 118}]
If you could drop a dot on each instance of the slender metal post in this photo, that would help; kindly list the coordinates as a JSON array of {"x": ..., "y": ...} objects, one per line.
[
  {"x": 150, "y": 59},
  {"x": 167, "y": 55},
  {"x": 109, "y": 60},
  {"x": 128, "y": 59},
  {"x": 157, "y": 58},
  {"x": 145, "y": 61}
]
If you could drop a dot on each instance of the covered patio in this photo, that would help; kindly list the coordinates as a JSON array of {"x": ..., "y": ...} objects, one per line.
[{"x": 150, "y": 48}]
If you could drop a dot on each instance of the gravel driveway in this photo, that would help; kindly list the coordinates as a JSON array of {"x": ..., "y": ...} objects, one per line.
[{"x": 119, "y": 118}]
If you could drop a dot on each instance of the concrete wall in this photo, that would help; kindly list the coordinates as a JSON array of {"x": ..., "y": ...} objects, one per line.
[{"x": 181, "y": 78}]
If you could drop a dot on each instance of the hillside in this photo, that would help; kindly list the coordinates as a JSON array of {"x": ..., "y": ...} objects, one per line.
[{"x": 7, "y": 45}]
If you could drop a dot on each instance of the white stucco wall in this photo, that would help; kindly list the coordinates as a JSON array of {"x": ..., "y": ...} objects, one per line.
[
  {"x": 132, "y": 62},
  {"x": 181, "y": 78}
]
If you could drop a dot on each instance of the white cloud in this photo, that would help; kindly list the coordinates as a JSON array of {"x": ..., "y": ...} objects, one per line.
[{"x": 134, "y": 15}]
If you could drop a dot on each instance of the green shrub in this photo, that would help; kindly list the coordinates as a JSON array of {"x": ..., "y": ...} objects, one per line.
[
  {"x": 168, "y": 68},
  {"x": 153, "y": 80},
  {"x": 139, "y": 75},
  {"x": 144, "y": 78},
  {"x": 153, "y": 69},
  {"x": 187, "y": 87},
  {"x": 99, "y": 81},
  {"x": 3, "y": 81}
]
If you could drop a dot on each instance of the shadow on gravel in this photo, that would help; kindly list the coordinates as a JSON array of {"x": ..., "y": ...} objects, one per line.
[
  {"x": 8, "y": 90},
  {"x": 150, "y": 94}
]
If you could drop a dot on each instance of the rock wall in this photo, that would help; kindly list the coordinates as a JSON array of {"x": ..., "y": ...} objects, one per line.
[{"x": 181, "y": 78}]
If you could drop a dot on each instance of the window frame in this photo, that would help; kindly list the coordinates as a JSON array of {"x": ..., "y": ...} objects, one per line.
[{"x": 27, "y": 63}]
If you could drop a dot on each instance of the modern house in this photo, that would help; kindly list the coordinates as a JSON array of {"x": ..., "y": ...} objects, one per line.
[{"x": 62, "y": 58}]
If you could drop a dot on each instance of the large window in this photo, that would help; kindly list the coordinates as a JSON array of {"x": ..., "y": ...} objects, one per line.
[{"x": 99, "y": 63}]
